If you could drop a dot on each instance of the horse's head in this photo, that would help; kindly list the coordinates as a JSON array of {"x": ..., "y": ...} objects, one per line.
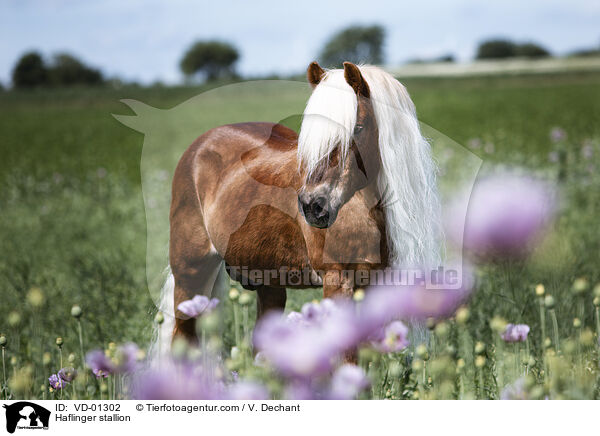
[{"x": 338, "y": 143}]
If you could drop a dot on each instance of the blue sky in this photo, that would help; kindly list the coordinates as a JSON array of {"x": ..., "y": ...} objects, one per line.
[{"x": 144, "y": 39}]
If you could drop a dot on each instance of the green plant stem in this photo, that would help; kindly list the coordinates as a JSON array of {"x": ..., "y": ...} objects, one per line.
[
  {"x": 236, "y": 324},
  {"x": 480, "y": 375},
  {"x": 543, "y": 320},
  {"x": 598, "y": 323},
  {"x": 555, "y": 328},
  {"x": 80, "y": 331},
  {"x": 246, "y": 327},
  {"x": 4, "y": 374}
]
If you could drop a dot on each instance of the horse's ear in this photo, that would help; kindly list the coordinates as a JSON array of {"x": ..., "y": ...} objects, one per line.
[
  {"x": 314, "y": 73},
  {"x": 356, "y": 80}
]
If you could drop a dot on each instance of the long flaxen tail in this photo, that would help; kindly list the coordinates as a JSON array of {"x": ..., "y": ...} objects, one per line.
[{"x": 162, "y": 335}]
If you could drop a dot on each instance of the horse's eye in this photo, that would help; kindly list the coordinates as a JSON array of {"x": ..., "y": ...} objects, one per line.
[{"x": 358, "y": 128}]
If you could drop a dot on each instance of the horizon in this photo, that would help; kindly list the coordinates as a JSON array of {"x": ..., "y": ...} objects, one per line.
[{"x": 143, "y": 41}]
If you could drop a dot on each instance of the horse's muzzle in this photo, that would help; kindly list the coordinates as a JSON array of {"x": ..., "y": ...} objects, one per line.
[{"x": 317, "y": 212}]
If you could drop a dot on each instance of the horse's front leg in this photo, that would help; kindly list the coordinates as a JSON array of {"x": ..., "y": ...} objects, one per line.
[{"x": 339, "y": 287}]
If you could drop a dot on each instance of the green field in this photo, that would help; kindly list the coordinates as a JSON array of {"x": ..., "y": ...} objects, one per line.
[{"x": 73, "y": 220}]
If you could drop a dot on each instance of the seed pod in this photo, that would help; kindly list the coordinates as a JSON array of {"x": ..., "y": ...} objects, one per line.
[
  {"x": 462, "y": 315},
  {"x": 580, "y": 285},
  {"x": 35, "y": 297},
  {"x": 359, "y": 295},
  {"x": 59, "y": 342},
  {"x": 549, "y": 302},
  {"x": 76, "y": 311},
  {"x": 245, "y": 298},
  {"x": 234, "y": 294},
  {"x": 540, "y": 290},
  {"x": 479, "y": 348},
  {"x": 422, "y": 352},
  {"x": 159, "y": 318}
]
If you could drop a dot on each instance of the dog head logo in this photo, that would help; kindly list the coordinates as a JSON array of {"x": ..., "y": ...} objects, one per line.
[{"x": 26, "y": 415}]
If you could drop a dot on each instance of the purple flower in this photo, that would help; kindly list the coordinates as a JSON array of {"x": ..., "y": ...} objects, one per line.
[
  {"x": 99, "y": 373},
  {"x": 197, "y": 306},
  {"x": 125, "y": 360},
  {"x": 100, "y": 363},
  {"x": 557, "y": 134},
  {"x": 347, "y": 382},
  {"x": 67, "y": 374},
  {"x": 56, "y": 382},
  {"x": 177, "y": 381},
  {"x": 515, "y": 333},
  {"x": 246, "y": 390},
  {"x": 392, "y": 338},
  {"x": 300, "y": 390},
  {"x": 515, "y": 391},
  {"x": 307, "y": 346},
  {"x": 384, "y": 304},
  {"x": 506, "y": 216}
]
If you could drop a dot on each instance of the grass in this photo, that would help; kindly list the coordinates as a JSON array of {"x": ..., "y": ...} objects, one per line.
[{"x": 73, "y": 221}]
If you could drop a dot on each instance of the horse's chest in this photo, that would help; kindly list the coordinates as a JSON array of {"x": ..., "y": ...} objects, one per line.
[{"x": 356, "y": 238}]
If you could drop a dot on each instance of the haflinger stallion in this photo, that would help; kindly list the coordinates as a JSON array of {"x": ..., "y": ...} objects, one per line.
[{"x": 354, "y": 192}]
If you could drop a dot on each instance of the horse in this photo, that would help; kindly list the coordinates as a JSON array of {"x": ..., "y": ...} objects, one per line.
[{"x": 354, "y": 192}]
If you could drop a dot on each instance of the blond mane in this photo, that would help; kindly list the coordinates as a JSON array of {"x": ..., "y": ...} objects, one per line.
[{"x": 407, "y": 180}]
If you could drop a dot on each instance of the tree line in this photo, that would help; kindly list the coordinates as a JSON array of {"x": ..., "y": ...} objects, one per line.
[{"x": 211, "y": 60}]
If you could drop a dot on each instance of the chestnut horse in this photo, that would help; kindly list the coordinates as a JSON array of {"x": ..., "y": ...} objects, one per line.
[{"x": 355, "y": 191}]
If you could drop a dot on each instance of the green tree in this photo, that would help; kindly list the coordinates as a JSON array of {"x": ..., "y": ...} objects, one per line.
[
  {"x": 67, "y": 70},
  {"x": 531, "y": 50},
  {"x": 212, "y": 59},
  {"x": 357, "y": 44},
  {"x": 30, "y": 71},
  {"x": 496, "y": 49}
]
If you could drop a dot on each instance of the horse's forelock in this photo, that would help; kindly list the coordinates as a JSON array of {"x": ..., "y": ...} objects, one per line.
[{"x": 328, "y": 121}]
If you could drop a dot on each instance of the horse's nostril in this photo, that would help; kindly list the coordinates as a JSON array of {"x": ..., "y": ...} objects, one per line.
[{"x": 319, "y": 208}]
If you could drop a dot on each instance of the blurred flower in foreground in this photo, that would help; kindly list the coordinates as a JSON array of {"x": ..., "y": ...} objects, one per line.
[
  {"x": 176, "y": 381},
  {"x": 184, "y": 380},
  {"x": 384, "y": 304},
  {"x": 515, "y": 333},
  {"x": 306, "y": 344},
  {"x": 246, "y": 390},
  {"x": 394, "y": 337},
  {"x": 516, "y": 391},
  {"x": 123, "y": 360},
  {"x": 347, "y": 382},
  {"x": 505, "y": 217},
  {"x": 56, "y": 382},
  {"x": 557, "y": 134},
  {"x": 197, "y": 306}
]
